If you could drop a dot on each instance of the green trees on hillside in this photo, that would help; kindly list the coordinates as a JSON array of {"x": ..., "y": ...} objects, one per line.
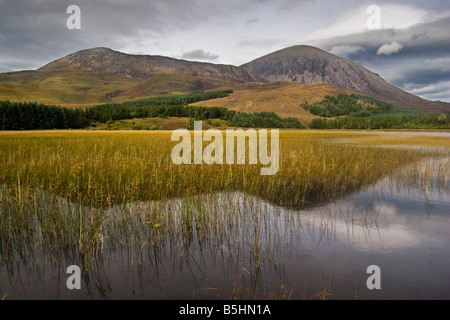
[
  {"x": 385, "y": 121},
  {"x": 343, "y": 105},
  {"x": 31, "y": 115},
  {"x": 264, "y": 120},
  {"x": 27, "y": 116},
  {"x": 360, "y": 112},
  {"x": 178, "y": 100},
  {"x": 339, "y": 112}
]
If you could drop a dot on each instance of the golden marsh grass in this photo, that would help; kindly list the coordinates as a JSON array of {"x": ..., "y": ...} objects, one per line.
[
  {"x": 106, "y": 168},
  {"x": 69, "y": 195}
]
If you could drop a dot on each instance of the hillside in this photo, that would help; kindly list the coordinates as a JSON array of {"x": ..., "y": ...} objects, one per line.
[
  {"x": 102, "y": 75},
  {"x": 82, "y": 88},
  {"x": 343, "y": 111},
  {"x": 104, "y": 60},
  {"x": 68, "y": 88},
  {"x": 277, "y": 82},
  {"x": 306, "y": 64},
  {"x": 284, "y": 98}
]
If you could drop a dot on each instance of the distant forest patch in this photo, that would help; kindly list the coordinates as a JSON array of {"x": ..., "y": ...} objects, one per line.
[
  {"x": 32, "y": 116},
  {"x": 334, "y": 112},
  {"x": 359, "y": 112}
]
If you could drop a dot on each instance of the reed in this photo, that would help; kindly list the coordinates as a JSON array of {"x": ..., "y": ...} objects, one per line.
[{"x": 78, "y": 196}]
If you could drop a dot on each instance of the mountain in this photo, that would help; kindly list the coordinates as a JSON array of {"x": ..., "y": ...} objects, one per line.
[
  {"x": 282, "y": 97},
  {"x": 105, "y": 60},
  {"x": 306, "y": 64},
  {"x": 102, "y": 75}
]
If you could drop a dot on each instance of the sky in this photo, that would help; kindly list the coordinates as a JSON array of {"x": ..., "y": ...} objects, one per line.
[{"x": 406, "y": 42}]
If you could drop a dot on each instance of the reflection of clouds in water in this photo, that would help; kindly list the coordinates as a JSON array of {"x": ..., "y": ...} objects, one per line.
[
  {"x": 394, "y": 222},
  {"x": 359, "y": 227},
  {"x": 376, "y": 218},
  {"x": 367, "y": 220},
  {"x": 337, "y": 225},
  {"x": 385, "y": 209},
  {"x": 381, "y": 238},
  {"x": 392, "y": 214}
]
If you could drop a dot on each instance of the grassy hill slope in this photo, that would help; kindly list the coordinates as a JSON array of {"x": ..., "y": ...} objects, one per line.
[
  {"x": 76, "y": 89},
  {"x": 82, "y": 89},
  {"x": 283, "y": 98}
]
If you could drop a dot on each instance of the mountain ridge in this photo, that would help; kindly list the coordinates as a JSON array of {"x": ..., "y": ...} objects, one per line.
[
  {"x": 106, "y": 60},
  {"x": 307, "y": 64},
  {"x": 100, "y": 74}
]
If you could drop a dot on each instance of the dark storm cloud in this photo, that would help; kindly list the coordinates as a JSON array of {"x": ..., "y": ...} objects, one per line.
[
  {"x": 427, "y": 38},
  {"x": 29, "y": 30},
  {"x": 34, "y": 33},
  {"x": 421, "y": 57},
  {"x": 36, "y": 30}
]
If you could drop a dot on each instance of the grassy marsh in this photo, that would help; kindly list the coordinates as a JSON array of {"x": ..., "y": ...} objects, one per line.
[
  {"x": 106, "y": 168},
  {"x": 78, "y": 197}
]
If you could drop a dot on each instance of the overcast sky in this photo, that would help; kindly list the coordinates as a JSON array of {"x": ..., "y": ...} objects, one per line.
[{"x": 411, "y": 49}]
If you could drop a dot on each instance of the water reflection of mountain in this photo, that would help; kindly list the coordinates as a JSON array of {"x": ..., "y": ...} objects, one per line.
[{"x": 234, "y": 245}]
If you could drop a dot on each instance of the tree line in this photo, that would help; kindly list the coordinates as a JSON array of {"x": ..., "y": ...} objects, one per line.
[
  {"x": 385, "y": 121},
  {"x": 353, "y": 104},
  {"x": 335, "y": 112},
  {"x": 32, "y": 115},
  {"x": 359, "y": 112}
]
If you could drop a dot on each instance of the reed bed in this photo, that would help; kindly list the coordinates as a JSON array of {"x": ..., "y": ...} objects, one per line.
[
  {"x": 80, "y": 196},
  {"x": 102, "y": 169}
]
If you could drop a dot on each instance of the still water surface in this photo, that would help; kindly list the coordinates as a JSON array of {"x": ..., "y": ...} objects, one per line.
[{"x": 265, "y": 251}]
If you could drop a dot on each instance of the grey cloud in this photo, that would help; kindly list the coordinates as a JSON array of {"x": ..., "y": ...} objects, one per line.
[
  {"x": 390, "y": 48},
  {"x": 422, "y": 38},
  {"x": 251, "y": 21},
  {"x": 423, "y": 58},
  {"x": 33, "y": 33},
  {"x": 288, "y": 5},
  {"x": 425, "y": 75},
  {"x": 346, "y": 51},
  {"x": 199, "y": 54},
  {"x": 433, "y": 91}
]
